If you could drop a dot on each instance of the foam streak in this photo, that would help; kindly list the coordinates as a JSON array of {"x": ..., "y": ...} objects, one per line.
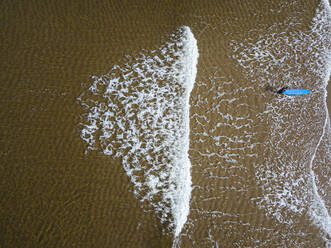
[{"x": 318, "y": 208}]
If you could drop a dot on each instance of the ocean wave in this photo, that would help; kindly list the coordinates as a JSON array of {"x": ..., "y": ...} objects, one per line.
[{"x": 140, "y": 113}]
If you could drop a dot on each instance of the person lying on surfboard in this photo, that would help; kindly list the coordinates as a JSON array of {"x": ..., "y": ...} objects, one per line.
[{"x": 288, "y": 91}]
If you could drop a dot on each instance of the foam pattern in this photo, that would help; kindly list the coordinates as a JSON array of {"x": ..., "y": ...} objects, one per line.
[{"x": 139, "y": 112}]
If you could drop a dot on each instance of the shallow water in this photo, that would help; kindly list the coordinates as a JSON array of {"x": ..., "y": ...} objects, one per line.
[
  {"x": 141, "y": 111},
  {"x": 116, "y": 133}
]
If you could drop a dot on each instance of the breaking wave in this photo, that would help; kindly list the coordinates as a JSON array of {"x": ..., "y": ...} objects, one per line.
[{"x": 139, "y": 112}]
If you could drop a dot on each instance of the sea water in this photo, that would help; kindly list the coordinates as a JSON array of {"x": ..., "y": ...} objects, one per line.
[
  {"x": 273, "y": 157},
  {"x": 270, "y": 152},
  {"x": 295, "y": 175},
  {"x": 288, "y": 179},
  {"x": 139, "y": 112}
]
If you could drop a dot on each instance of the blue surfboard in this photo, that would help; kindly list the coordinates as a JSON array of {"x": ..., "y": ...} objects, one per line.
[{"x": 296, "y": 91}]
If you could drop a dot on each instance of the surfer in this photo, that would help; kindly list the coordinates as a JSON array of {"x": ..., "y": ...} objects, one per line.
[
  {"x": 281, "y": 91},
  {"x": 288, "y": 91}
]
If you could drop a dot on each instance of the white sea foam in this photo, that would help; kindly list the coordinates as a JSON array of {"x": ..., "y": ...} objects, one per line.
[
  {"x": 140, "y": 112},
  {"x": 296, "y": 59}
]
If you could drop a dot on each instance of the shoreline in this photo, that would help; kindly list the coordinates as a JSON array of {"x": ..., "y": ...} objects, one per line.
[{"x": 328, "y": 97}]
